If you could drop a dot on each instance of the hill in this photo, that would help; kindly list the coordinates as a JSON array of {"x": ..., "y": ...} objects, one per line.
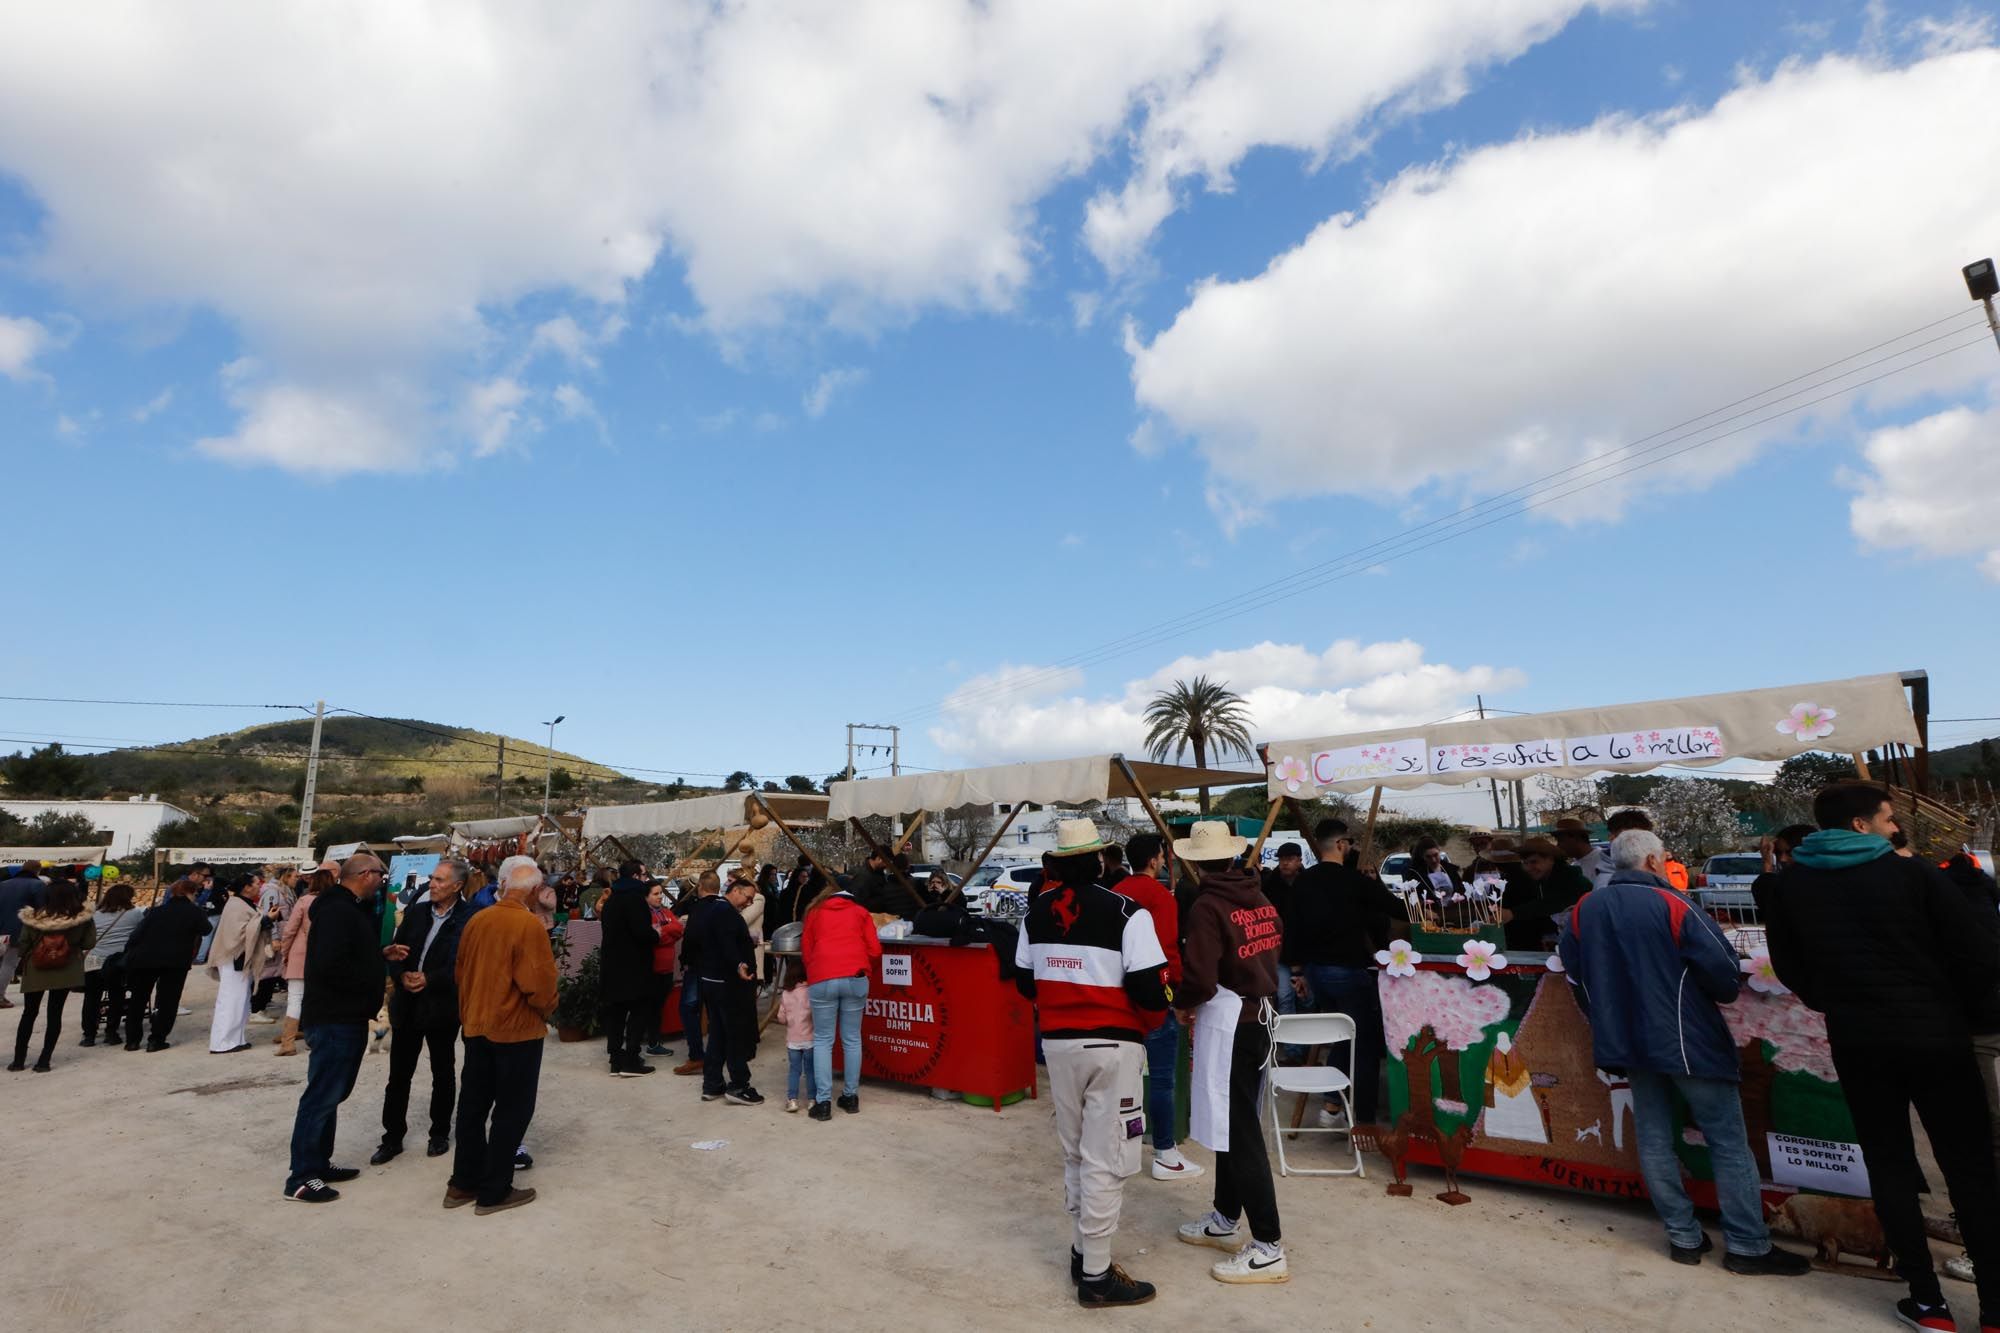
[{"x": 1975, "y": 759}]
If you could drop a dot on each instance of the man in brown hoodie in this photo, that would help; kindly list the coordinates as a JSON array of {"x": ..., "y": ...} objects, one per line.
[{"x": 1229, "y": 968}]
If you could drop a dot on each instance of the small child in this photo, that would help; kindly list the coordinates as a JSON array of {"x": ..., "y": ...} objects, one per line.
[{"x": 795, "y": 1007}]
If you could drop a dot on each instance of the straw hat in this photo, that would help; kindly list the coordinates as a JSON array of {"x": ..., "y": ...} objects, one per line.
[
  {"x": 1074, "y": 837},
  {"x": 1210, "y": 840},
  {"x": 1576, "y": 826},
  {"x": 1500, "y": 849},
  {"x": 1539, "y": 847}
]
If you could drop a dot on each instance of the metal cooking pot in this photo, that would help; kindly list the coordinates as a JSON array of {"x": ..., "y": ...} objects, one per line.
[{"x": 789, "y": 938}]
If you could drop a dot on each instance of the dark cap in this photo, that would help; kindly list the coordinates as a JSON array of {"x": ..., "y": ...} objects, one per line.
[{"x": 1286, "y": 849}]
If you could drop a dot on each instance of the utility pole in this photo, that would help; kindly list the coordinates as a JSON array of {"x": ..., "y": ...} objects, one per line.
[
  {"x": 499, "y": 781},
  {"x": 850, "y": 752},
  {"x": 549, "y": 765},
  {"x": 1492, "y": 784},
  {"x": 312, "y": 785},
  {"x": 1984, "y": 284}
]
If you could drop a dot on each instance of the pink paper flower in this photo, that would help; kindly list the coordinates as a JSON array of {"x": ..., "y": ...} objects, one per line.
[
  {"x": 1399, "y": 959},
  {"x": 1762, "y": 976},
  {"x": 1292, "y": 772},
  {"x": 1807, "y": 722},
  {"x": 1480, "y": 959}
]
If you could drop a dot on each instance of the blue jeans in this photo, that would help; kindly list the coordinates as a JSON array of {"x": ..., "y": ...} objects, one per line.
[
  {"x": 1351, "y": 991},
  {"x": 1163, "y": 1053},
  {"x": 837, "y": 1006},
  {"x": 798, "y": 1061},
  {"x": 330, "y": 1074},
  {"x": 1718, "y": 1111},
  {"x": 691, "y": 1018}
]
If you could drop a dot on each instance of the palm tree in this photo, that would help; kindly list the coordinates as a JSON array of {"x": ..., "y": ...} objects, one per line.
[{"x": 1197, "y": 714}]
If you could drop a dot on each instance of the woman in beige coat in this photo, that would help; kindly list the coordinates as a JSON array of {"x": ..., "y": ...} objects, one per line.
[
  {"x": 753, "y": 912},
  {"x": 292, "y": 949},
  {"x": 235, "y": 959}
]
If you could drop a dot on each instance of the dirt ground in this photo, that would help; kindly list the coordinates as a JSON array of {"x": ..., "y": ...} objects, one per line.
[{"x": 144, "y": 1191}]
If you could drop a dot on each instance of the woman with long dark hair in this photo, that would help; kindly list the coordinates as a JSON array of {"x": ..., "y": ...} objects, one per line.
[
  {"x": 291, "y": 947},
  {"x": 104, "y": 965},
  {"x": 53, "y": 941}
]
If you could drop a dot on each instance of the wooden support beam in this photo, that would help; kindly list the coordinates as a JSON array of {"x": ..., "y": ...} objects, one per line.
[
  {"x": 1270, "y": 818},
  {"x": 998, "y": 834},
  {"x": 832, "y": 883},
  {"x": 1368, "y": 834},
  {"x": 1152, "y": 812},
  {"x": 890, "y": 857},
  {"x": 911, "y": 831}
]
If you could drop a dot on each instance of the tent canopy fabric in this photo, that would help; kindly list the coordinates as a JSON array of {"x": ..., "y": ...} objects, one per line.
[
  {"x": 234, "y": 856},
  {"x": 1846, "y": 716},
  {"x": 699, "y": 814},
  {"x": 480, "y": 830},
  {"x": 1049, "y": 782},
  {"x": 53, "y": 856}
]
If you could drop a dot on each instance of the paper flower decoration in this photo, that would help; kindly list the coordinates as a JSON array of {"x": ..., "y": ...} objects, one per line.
[
  {"x": 1399, "y": 959},
  {"x": 1762, "y": 976},
  {"x": 1292, "y": 772},
  {"x": 1807, "y": 722},
  {"x": 1480, "y": 960},
  {"x": 1555, "y": 963}
]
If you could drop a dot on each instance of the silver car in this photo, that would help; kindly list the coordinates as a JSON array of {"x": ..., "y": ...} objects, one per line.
[{"x": 1723, "y": 886}]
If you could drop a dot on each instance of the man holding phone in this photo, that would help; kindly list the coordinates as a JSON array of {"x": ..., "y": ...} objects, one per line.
[{"x": 423, "y": 1008}]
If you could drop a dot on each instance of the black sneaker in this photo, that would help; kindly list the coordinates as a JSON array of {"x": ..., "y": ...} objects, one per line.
[
  {"x": 523, "y": 1162},
  {"x": 1075, "y": 1264},
  {"x": 88, "y": 1040},
  {"x": 820, "y": 1111},
  {"x": 1918, "y": 1315},
  {"x": 850, "y": 1102},
  {"x": 708, "y": 1096},
  {"x": 743, "y": 1097},
  {"x": 1114, "y": 1287},
  {"x": 385, "y": 1154},
  {"x": 639, "y": 1067},
  {"x": 437, "y": 1147},
  {"x": 337, "y": 1174},
  {"x": 1690, "y": 1254},
  {"x": 657, "y": 1049},
  {"x": 131, "y": 1045},
  {"x": 1774, "y": 1262},
  {"x": 313, "y": 1191},
  {"x": 157, "y": 1046}
]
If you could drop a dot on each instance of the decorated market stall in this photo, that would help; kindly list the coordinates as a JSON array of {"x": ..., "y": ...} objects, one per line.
[
  {"x": 946, "y": 1014},
  {"x": 1490, "y": 1055}
]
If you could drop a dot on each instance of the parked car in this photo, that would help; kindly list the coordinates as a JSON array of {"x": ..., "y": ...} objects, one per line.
[
  {"x": 991, "y": 879},
  {"x": 1723, "y": 885},
  {"x": 1394, "y": 868}
]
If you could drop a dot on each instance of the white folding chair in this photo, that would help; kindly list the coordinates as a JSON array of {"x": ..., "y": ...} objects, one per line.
[{"x": 1312, "y": 1080}]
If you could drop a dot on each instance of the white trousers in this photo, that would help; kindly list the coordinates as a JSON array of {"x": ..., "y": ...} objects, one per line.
[
  {"x": 1097, "y": 1087},
  {"x": 295, "y": 998},
  {"x": 10, "y": 959},
  {"x": 230, "y": 1026}
]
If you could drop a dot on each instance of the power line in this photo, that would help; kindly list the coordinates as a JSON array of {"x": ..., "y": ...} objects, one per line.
[
  {"x": 140, "y": 703},
  {"x": 1502, "y": 505}
]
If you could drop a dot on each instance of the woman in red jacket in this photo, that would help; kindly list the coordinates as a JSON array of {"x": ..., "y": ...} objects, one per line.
[
  {"x": 670, "y": 928},
  {"x": 840, "y": 948}
]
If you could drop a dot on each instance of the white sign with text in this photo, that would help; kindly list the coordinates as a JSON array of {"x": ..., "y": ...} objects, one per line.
[
  {"x": 896, "y": 969},
  {"x": 1826, "y": 1165},
  {"x": 1505, "y": 757},
  {"x": 1664, "y": 746},
  {"x": 1384, "y": 759}
]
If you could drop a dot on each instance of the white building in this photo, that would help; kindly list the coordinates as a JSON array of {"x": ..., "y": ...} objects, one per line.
[{"x": 125, "y": 826}]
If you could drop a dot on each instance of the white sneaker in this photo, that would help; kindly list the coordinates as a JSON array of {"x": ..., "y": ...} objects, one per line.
[
  {"x": 1960, "y": 1267},
  {"x": 1252, "y": 1263},
  {"x": 183, "y": 1011},
  {"x": 1331, "y": 1119},
  {"x": 1170, "y": 1165},
  {"x": 262, "y": 1018},
  {"x": 1202, "y": 1231},
  {"x": 791, "y": 1104}
]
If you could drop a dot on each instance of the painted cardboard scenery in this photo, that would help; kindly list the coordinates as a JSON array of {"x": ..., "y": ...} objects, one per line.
[{"x": 1493, "y": 1075}]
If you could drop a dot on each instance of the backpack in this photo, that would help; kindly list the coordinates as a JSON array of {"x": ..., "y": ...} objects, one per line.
[{"x": 51, "y": 953}]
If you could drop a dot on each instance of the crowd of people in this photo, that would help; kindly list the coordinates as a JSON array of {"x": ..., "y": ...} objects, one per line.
[{"x": 1903, "y": 959}]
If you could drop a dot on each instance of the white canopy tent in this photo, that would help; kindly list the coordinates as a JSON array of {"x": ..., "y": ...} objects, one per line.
[
  {"x": 1848, "y": 716},
  {"x": 482, "y": 830},
  {"x": 700, "y": 814}
]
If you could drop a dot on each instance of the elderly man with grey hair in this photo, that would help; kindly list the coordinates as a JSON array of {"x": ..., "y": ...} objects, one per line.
[
  {"x": 506, "y": 992},
  {"x": 1649, "y": 968},
  {"x": 423, "y": 1008},
  {"x": 343, "y": 981}
]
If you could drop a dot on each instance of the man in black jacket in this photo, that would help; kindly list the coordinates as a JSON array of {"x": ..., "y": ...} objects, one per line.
[
  {"x": 423, "y": 1008},
  {"x": 157, "y": 957},
  {"x": 1339, "y": 918},
  {"x": 726, "y": 960},
  {"x": 345, "y": 973},
  {"x": 1903, "y": 967},
  {"x": 625, "y": 970}
]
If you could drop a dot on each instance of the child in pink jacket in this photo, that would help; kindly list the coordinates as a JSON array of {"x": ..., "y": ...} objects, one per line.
[{"x": 795, "y": 1007}]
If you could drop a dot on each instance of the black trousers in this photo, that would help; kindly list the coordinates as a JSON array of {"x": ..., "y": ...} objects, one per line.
[
  {"x": 31, "y": 1004},
  {"x": 731, "y": 1008},
  {"x": 160, "y": 986},
  {"x": 656, "y": 1002},
  {"x": 260, "y": 998},
  {"x": 1243, "y": 1174},
  {"x": 624, "y": 1030},
  {"x": 104, "y": 995},
  {"x": 499, "y": 1081},
  {"x": 1881, "y": 1085},
  {"x": 417, "y": 1025}
]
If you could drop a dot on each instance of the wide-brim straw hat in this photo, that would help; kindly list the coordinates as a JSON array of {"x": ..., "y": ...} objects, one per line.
[
  {"x": 1210, "y": 840},
  {"x": 1074, "y": 837},
  {"x": 1500, "y": 849},
  {"x": 1576, "y": 826},
  {"x": 1539, "y": 847}
]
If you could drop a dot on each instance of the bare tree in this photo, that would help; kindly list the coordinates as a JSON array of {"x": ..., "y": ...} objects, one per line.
[
  {"x": 964, "y": 831},
  {"x": 1582, "y": 798},
  {"x": 1694, "y": 817}
]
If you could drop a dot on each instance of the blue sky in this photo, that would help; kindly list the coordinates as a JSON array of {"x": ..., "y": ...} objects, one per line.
[{"x": 722, "y": 403}]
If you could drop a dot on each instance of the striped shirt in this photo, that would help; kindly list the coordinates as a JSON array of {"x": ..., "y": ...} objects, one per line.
[{"x": 1080, "y": 945}]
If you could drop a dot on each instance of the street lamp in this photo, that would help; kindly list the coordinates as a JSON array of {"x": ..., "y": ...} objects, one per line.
[
  {"x": 1984, "y": 285},
  {"x": 549, "y": 765}
]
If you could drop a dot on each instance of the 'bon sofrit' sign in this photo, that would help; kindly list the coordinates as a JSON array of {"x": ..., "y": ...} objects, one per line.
[{"x": 1411, "y": 756}]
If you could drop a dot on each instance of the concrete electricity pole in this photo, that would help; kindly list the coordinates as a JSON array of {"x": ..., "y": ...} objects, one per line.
[
  {"x": 1984, "y": 284},
  {"x": 549, "y": 765},
  {"x": 312, "y": 785}
]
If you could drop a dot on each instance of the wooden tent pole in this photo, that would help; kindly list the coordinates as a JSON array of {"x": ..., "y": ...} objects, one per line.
[
  {"x": 911, "y": 831},
  {"x": 998, "y": 834},
  {"x": 1270, "y": 818},
  {"x": 1368, "y": 834},
  {"x": 890, "y": 857},
  {"x": 805, "y": 851},
  {"x": 1146, "y": 804}
]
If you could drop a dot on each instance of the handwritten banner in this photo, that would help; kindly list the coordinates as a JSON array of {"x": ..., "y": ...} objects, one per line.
[
  {"x": 1507, "y": 757},
  {"x": 1666, "y": 745},
  {"x": 1384, "y": 759}
]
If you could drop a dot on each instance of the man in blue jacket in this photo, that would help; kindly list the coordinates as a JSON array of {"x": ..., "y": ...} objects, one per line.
[{"x": 1649, "y": 968}]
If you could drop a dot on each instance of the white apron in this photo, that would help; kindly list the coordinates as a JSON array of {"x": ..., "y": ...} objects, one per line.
[{"x": 1208, "y": 1086}]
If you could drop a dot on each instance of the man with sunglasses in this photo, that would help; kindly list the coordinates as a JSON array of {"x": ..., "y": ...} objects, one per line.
[{"x": 345, "y": 976}]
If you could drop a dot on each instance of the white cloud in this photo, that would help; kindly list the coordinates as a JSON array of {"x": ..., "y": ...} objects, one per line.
[
  {"x": 1930, "y": 486},
  {"x": 1535, "y": 303},
  {"x": 321, "y": 432},
  {"x": 1024, "y": 712},
  {"x": 153, "y": 406},
  {"x": 416, "y": 172},
  {"x": 576, "y": 405},
  {"x": 492, "y": 411},
  {"x": 830, "y": 384},
  {"x": 67, "y": 427},
  {"x": 21, "y": 341}
]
